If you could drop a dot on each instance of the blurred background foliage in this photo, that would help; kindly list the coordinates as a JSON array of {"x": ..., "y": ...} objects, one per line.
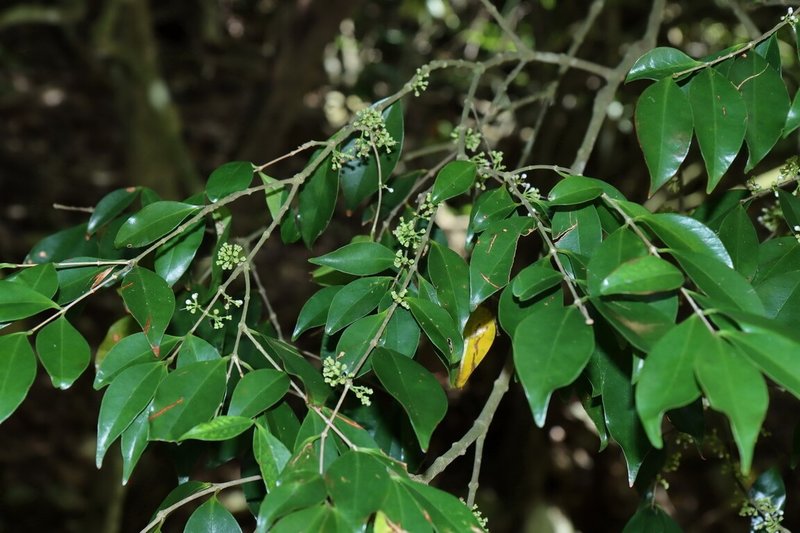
[{"x": 101, "y": 94}]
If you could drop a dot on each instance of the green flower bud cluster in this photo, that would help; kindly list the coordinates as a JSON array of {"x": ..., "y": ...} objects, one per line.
[
  {"x": 230, "y": 256},
  {"x": 420, "y": 82},
  {"x": 369, "y": 123},
  {"x": 335, "y": 373},
  {"x": 472, "y": 138}
]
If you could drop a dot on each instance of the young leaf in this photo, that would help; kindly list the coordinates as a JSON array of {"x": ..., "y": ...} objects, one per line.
[
  {"x": 358, "y": 484},
  {"x": 454, "y": 179},
  {"x": 735, "y": 387},
  {"x": 740, "y": 239},
  {"x": 682, "y": 233},
  {"x": 415, "y": 388},
  {"x": 720, "y": 121},
  {"x": 130, "y": 393},
  {"x": 479, "y": 334},
  {"x": 490, "y": 265},
  {"x": 659, "y": 63},
  {"x": 185, "y": 398},
  {"x": 174, "y": 257},
  {"x": 450, "y": 276},
  {"x": 315, "y": 310},
  {"x": 354, "y": 301},
  {"x": 358, "y": 258},
  {"x": 229, "y": 178},
  {"x": 257, "y": 391},
  {"x": 667, "y": 379},
  {"x": 643, "y": 275},
  {"x": 63, "y": 351},
  {"x": 110, "y": 206},
  {"x": 551, "y": 347},
  {"x": 219, "y": 428},
  {"x": 535, "y": 279},
  {"x": 439, "y": 327},
  {"x": 17, "y": 371},
  {"x": 17, "y": 301},
  {"x": 150, "y": 301},
  {"x": 317, "y": 201},
  {"x": 151, "y": 223},
  {"x": 212, "y": 517},
  {"x": 574, "y": 190},
  {"x": 664, "y": 129},
  {"x": 270, "y": 454}
]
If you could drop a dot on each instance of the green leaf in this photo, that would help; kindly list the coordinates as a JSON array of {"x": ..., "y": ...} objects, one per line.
[
  {"x": 446, "y": 512},
  {"x": 740, "y": 239},
  {"x": 296, "y": 365},
  {"x": 17, "y": 301},
  {"x": 643, "y": 275},
  {"x": 17, "y": 371},
  {"x": 651, "y": 519},
  {"x": 777, "y": 256},
  {"x": 355, "y": 300},
  {"x": 621, "y": 246},
  {"x": 74, "y": 282},
  {"x": 359, "y": 178},
  {"x": 719, "y": 282},
  {"x": 229, "y": 178},
  {"x": 403, "y": 511},
  {"x": 219, "y": 428},
  {"x": 440, "y": 329},
  {"x": 720, "y": 121},
  {"x": 664, "y": 129},
  {"x": 257, "y": 391},
  {"x": 490, "y": 265},
  {"x": 642, "y": 323},
  {"x": 174, "y": 257},
  {"x": 212, "y": 517},
  {"x": 551, "y": 347},
  {"x": 63, "y": 351},
  {"x": 790, "y": 205},
  {"x": 685, "y": 234},
  {"x": 152, "y": 223},
  {"x": 194, "y": 349},
  {"x": 490, "y": 207},
  {"x": 274, "y": 195},
  {"x": 734, "y": 387},
  {"x": 415, "y": 388},
  {"x": 317, "y": 201},
  {"x": 151, "y": 302},
  {"x": 134, "y": 441},
  {"x": 401, "y": 333},
  {"x": 766, "y": 101},
  {"x": 354, "y": 342},
  {"x": 455, "y": 178},
  {"x": 659, "y": 63},
  {"x": 110, "y": 206},
  {"x": 781, "y": 297},
  {"x": 574, "y": 190},
  {"x": 315, "y": 311},
  {"x": 768, "y": 488},
  {"x": 792, "y": 116},
  {"x": 322, "y": 518},
  {"x": 130, "y": 350},
  {"x": 769, "y": 49},
  {"x": 578, "y": 231},
  {"x": 535, "y": 279},
  {"x": 358, "y": 484},
  {"x": 667, "y": 378},
  {"x": 358, "y": 258},
  {"x": 777, "y": 356},
  {"x": 450, "y": 276},
  {"x": 186, "y": 397},
  {"x": 65, "y": 244},
  {"x": 180, "y": 492},
  {"x": 130, "y": 393},
  {"x": 41, "y": 278},
  {"x": 271, "y": 455},
  {"x": 288, "y": 496}
]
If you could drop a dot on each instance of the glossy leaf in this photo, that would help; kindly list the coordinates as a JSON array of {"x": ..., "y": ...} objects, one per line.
[
  {"x": 194, "y": 349},
  {"x": 317, "y": 201},
  {"x": 271, "y": 455},
  {"x": 641, "y": 323},
  {"x": 133, "y": 444},
  {"x": 621, "y": 246},
  {"x": 491, "y": 206},
  {"x": 455, "y": 178},
  {"x": 439, "y": 328},
  {"x": 740, "y": 239},
  {"x": 180, "y": 492},
  {"x": 769, "y": 49},
  {"x": 792, "y": 116},
  {"x": 110, "y": 206},
  {"x": 720, "y": 121},
  {"x": 578, "y": 231},
  {"x": 355, "y": 340},
  {"x": 551, "y": 347},
  {"x": 359, "y": 178},
  {"x": 415, "y": 388},
  {"x": 17, "y": 371},
  {"x": 315, "y": 311},
  {"x": 574, "y": 190},
  {"x": 64, "y": 352},
  {"x": 777, "y": 256},
  {"x": 667, "y": 378},
  {"x": 174, "y": 257},
  {"x": 354, "y": 301},
  {"x": 257, "y": 391},
  {"x": 151, "y": 223},
  {"x": 212, "y": 517},
  {"x": 535, "y": 279},
  {"x": 229, "y": 178},
  {"x": 766, "y": 101},
  {"x": 401, "y": 333},
  {"x": 735, "y": 387},
  {"x": 445, "y": 511},
  {"x": 682, "y": 233},
  {"x": 490, "y": 265},
  {"x": 41, "y": 278},
  {"x": 358, "y": 258},
  {"x": 664, "y": 129},
  {"x": 297, "y": 366},
  {"x": 781, "y": 297},
  {"x": 775, "y": 355},
  {"x": 659, "y": 63},
  {"x": 358, "y": 484},
  {"x": 130, "y": 350},
  {"x": 151, "y": 302},
  {"x": 790, "y": 206},
  {"x": 651, "y": 519},
  {"x": 643, "y": 275},
  {"x": 65, "y": 244},
  {"x": 450, "y": 276},
  {"x": 219, "y": 428},
  {"x": 289, "y": 496},
  {"x": 186, "y": 397},
  {"x": 130, "y": 393},
  {"x": 17, "y": 301},
  {"x": 401, "y": 512}
]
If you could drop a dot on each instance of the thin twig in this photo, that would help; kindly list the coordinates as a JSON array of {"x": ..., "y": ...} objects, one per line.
[
  {"x": 272, "y": 316},
  {"x": 476, "y": 471},
  {"x": 63, "y": 207}
]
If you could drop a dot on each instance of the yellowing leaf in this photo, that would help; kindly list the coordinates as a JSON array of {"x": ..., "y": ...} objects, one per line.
[{"x": 479, "y": 334}]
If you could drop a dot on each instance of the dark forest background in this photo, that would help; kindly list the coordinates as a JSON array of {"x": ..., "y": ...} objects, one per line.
[{"x": 101, "y": 94}]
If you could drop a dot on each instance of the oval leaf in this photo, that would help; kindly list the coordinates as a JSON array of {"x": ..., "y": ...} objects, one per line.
[
  {"x": 17, "y": 372},
  {"x": 110, "y": 206},
  {"x": 439, "y": 327},
  {"x": 315, "y": 311},
  {"x": 63, "y": 351},
  {"x": 257, "y": 391},
  {"x": 358, "y": 258},
  {"x": 659, "y": 63},
  {"x": 17, "y": 301},
  {"x": 212, "y": 517},
  {"x": 358, "y": 484},
  {"x": 684, "y": 233},
  {"x": 317, "y": 201},
  {"x": 455, "y": 178},
  {"x": 151, "y": 223},
  {"x": 174, "y": 257},
  {"x": 219, "y": 428},
  {"x": 229, "y": 178},
  {"x": 643, "y": 275},
  {"x": 354, "y": 301},
  {"x": 574, "y": 190},
  {"x": 151, "y": 302},
  {"x": 450, "y": 276},
  {"x": 535, "y": 279}
]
